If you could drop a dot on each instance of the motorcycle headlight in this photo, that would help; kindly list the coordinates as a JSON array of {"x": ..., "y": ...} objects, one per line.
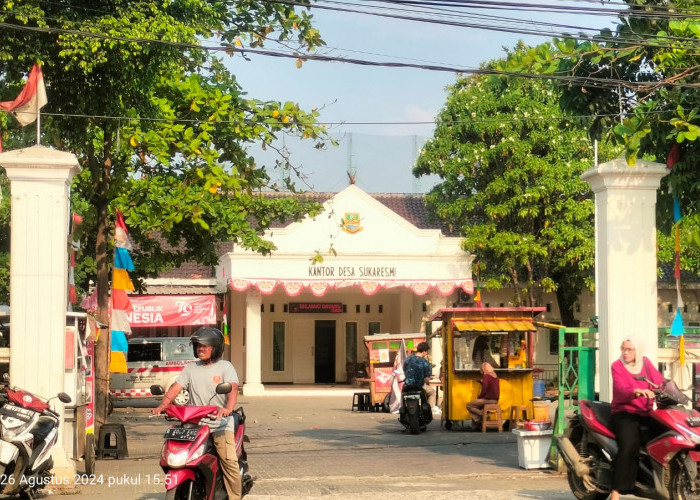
[
  {"x": 180, "y": 458},
  {"x": 9, "y": 432}
]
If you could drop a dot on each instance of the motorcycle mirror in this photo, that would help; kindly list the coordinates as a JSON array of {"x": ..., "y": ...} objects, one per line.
[
  {"x": 64, "y": 398},
  {"x": 224, "y": 388},
  {"x": 157, "y": 390}
]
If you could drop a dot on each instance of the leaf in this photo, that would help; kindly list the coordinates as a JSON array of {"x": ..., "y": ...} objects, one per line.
[{"x": 299, "y": 63}]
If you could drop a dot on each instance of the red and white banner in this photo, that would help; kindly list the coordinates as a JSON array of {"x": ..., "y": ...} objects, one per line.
[{"x": 172, "y": 310}]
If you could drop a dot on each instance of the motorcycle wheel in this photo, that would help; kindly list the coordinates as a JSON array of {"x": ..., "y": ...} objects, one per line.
[
  {"x": 680, "y": 486},
  {"x": 90, "y": 454},
  {"x": 576, "y": 483},
  {"x": 182, "y": 398},
  {"x": 188, "y": 490},
  {"x": 413, "y": 423}
]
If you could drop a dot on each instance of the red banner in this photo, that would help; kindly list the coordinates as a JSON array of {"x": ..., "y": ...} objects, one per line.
[{"x": 172, "y": 310}]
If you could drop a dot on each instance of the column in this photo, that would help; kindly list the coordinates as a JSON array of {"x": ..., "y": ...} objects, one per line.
[
  {"x": 253, "y": 345},
  {"x": 39, "y": 182},
  {"x": 625, "y": 253}
]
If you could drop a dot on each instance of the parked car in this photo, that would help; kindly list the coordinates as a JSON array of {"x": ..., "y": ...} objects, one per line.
[{"x": 153, "y": 361}]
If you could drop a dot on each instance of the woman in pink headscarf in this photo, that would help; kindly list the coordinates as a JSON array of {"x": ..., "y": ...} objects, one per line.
[
  {"x": 490, "y": 392},
  {"x": 632, "y": 399}
]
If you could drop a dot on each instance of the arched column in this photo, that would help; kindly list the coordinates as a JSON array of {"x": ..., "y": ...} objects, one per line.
[
  {"x": 625, "y": 259},
  {"x": 253, "y": 345}
]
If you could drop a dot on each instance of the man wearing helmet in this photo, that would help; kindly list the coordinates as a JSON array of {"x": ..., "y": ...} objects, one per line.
[{"x": 201, "y": 378}]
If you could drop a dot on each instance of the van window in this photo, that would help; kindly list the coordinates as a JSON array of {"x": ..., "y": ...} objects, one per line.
[
  {"x": 146, "y": 351},
  {"x": 178, "y": 350}
]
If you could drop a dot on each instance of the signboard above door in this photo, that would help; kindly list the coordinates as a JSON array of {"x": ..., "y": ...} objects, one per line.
[{"x": 316, "y": 307}]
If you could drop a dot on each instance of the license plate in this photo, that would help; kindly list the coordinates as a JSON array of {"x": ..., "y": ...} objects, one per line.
[
  {"x": 693, "y": 421},
  {"x": 16, "y": 412},
  {"x": 182, "y": 433}
]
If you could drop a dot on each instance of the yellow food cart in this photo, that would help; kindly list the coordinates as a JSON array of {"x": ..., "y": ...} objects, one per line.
[
  {"x": 383, "y": 348},
  {"x": 502, "y": 336}
]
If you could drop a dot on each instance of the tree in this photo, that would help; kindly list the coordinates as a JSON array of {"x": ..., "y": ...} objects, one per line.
[
  {"x": 639, "y": 84},
  {"x": 138, "y": 91},
  {"x": 509, "y": 160}
]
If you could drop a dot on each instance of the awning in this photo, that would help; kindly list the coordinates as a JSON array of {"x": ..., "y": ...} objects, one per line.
[
  {"x": 495, "y": 325},
  {"x": 171, "y": 310},
  {"x": 368, "y": 287}
]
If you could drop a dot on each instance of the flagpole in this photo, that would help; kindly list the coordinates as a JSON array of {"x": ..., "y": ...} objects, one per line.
[{"x": 38, "y": 124}]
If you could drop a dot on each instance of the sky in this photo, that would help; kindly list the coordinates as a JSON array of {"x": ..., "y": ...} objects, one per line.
[{"x": 373, "y": 111}]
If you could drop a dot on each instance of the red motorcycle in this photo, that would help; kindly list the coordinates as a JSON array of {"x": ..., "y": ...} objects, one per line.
[
  {"x": 189, "y": 458},
  {"x": 668, "y": 459}
]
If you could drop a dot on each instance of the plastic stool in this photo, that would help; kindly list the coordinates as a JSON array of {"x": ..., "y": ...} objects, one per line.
[
  {"x": 518, "y": 415},
  {"x": 105, "y": 447},
  {"x": 495, "y": 410},
  {"x": 360, "y": 401}
]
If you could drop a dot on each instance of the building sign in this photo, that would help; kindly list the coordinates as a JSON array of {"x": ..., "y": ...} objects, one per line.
[
  {"x": 172, "y": 310},
  {"x": 316, "y": 307},
  {"x": 352, "y": 271}
]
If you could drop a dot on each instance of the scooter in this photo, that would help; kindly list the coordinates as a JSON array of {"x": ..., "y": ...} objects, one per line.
[
  {"x": 415, "y": 413},
  {"x": 29, "y": 430},
  {"x": 189, "y": 458},
  {"x": 669, "y": 454}
]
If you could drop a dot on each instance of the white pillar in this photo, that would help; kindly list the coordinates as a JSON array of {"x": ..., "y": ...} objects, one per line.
[
  {"x": 625, "y": 266},
  {"x": 39, "y": 182},
  {"x": 253, "y": 345}
]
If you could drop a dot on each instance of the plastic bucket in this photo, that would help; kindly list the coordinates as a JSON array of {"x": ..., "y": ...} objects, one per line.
[
  {"x": 538, "y": 388},
  {"x": 541, "y": 413}
]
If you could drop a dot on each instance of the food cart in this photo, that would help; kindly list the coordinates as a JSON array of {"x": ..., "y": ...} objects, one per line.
[
  {"x": 383, "y": 348},
  {"x": 500, "y": 335}
]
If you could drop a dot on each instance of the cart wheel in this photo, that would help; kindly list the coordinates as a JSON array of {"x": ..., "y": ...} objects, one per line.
[
  {"x": 385, "y": 404},
  {"x": 448, "y": 425},
  {"x": 90, "y": 454}
]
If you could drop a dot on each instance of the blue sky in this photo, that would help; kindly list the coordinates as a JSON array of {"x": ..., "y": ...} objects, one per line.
[{"x": 382, "y": 154}]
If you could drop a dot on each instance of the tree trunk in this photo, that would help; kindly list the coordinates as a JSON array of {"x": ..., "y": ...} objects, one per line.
[{"x": 103, "y": 345}]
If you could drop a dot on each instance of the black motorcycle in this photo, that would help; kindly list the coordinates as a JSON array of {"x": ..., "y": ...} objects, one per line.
[{"x": 415, "y": 413}]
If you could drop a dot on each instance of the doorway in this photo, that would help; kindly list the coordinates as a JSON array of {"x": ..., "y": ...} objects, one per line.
[{"x": 324, "y": 358}]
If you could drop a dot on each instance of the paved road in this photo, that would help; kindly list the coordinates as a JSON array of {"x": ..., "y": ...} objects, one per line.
[{"x": 314, "y": 446}]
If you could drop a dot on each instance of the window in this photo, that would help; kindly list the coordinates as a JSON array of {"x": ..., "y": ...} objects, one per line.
[
  {"x": 374, "y": 327},
  {"x": 350, "y": 342},
  {"x": 278, "y": 346},
  {"x": 147, "y": 351},
  {"x": 553, "y": 341}
]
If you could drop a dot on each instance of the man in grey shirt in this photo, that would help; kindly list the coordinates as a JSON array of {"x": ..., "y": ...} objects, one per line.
[{"x": 202, "y": 378}]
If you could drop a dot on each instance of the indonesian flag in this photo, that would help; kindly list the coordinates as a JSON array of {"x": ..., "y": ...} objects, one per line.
[{"x": 30, "y": 100}]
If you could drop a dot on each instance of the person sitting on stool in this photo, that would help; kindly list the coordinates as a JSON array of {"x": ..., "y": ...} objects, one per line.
[{"x": 490, "y": 392}]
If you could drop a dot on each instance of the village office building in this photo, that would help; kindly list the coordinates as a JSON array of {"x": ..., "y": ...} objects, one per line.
[{"x": 295, "y": 319}]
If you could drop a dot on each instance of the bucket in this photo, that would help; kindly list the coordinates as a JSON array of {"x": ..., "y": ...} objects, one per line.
[
  {"x": 538, "y": 388},
  {"x": 541, "y": 413}
]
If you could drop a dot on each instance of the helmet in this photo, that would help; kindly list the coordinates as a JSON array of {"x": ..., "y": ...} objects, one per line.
[{"x": 208, "y": 335}]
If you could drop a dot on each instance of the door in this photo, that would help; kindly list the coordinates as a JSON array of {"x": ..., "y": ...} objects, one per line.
[{"x": 324, "y": 356}]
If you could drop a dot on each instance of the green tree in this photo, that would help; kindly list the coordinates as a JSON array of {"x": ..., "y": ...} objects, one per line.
[
  {"x": 139, "y": 92},
  {"x": 509, "y": 161},
  {"x": 639, "y": 83}
]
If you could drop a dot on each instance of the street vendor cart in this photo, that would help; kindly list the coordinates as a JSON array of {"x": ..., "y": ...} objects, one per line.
[
  {"x": 383, "y": 348},
  {"x": 502, "y": 336}
]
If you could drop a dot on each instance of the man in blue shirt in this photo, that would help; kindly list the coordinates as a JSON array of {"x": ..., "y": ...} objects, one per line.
[{"x": 418, "y": 371}]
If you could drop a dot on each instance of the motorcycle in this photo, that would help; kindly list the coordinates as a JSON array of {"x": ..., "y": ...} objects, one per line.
[
  {"x": 189, "y": 458},
  {"x": 669, "y": 454},
  {"x": 28, "y": 432},
  {"x": 415, "y": 413}
]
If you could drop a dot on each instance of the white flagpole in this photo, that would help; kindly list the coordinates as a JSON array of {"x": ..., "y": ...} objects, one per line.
[{"x": 38, "y": 123}]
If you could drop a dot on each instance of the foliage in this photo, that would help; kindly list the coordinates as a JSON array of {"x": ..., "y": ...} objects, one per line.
[
  {"x": 160, "y": 126},
  {"x": 509, "y": 161},
  {"x": 639, "y": 82}
]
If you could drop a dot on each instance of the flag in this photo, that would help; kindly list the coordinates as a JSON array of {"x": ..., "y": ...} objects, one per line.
[
  {"x": 224, "y": 328},
  {"x": 30, "y": 100},
  {"x": 477, "y": 295},
  {"x": 397, "y": 379},
  {"x": 119, "y": 323}
]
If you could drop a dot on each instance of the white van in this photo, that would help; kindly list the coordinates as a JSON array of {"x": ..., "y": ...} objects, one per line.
[{"x": 149, "y": 361}]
